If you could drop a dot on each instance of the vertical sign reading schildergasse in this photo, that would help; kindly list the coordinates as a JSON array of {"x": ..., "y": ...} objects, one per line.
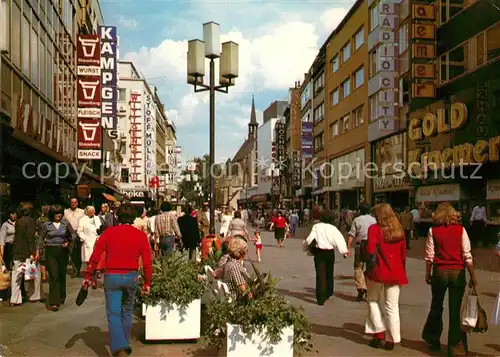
[
  {"x": 150, "y": 136},
  {"x": 387, "y": 65},
  {"x": 109, "y": 80}
]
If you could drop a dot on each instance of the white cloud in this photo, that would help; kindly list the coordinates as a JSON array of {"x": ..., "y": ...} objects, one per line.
[
  {"x": 271, "y": 58},
  {"x": 126, "y": 22}
]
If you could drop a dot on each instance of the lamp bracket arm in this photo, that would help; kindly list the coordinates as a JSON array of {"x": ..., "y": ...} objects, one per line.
[
  {"x": 199, "y": 87},
  {"x": 222, "y": 89}
]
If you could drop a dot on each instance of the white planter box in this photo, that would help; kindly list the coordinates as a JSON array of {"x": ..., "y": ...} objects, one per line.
[
  {"x": 239, "y": 344},
  {"x": 170, "y": 322}
]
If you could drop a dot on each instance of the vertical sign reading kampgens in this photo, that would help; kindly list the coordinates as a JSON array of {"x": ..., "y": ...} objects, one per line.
[
  {"x": 306, "y": 140},
  {"x": 109, "y": 80},
  {"x": 88, "y": 96},
  {"x": 150, "y": 136}
]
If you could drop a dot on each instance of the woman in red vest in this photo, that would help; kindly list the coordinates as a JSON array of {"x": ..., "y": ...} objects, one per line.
[
  {"x": 385, "y": 271},
  {"x": 447, "y": 253}
]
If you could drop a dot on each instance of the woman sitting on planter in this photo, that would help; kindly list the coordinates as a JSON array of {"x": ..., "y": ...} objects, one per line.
[{"x": 233, "y": 273}]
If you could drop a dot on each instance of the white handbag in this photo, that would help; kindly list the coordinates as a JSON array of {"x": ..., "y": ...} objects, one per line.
[
  {"x": 495, "y": 313},
  {"x": 469, "y": 310}
]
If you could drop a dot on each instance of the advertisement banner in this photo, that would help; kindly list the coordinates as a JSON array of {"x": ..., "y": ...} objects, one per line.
[
  {"x": 150, "y": 135},
  {"x": 135, "y": 138},
  {"x": 88, "y": 97},
  {"x": 280, "y": 140},
  {"x": 109, "y": 79}
]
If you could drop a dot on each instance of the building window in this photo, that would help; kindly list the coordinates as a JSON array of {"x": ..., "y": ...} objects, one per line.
[
  {"x": 403, "y": 38},
  {"x": 50, "y": 75},
  {"x": 319, "y": 82},
  {"x": 335, "y": 96},
  {"x": 454, "y": 63},
  {"x": 373, "y": 107},
  {"x": 346, "y": 88},
  {"x": 493, "y": 43},
  {"x": 319, "y": 113},
  {"x": 15, "y": 32},
  {"x": 26, "y": 46},
  {"x": 124, "y": 176},
  {"x": 335, "y": 129},
  {"x": 358, "y": 116},
  {"x": 404, "y": 92},
  {"x": 122, "y": 95},
  {"x": 41, "y": 60},
  {"x": 359, "y": 77},
  {"x": 345, "y": 123},
  {"x": 306, "y": 94},
  {"x": 34, "y": 58},
  {"x": 318, "y": 142},
  {"x": 335, "y": 63},
  {"x": 346, "y": 52},
  {"x": 359, "y": 38},
  {"x": 481, "y": 48},
  {"x": 372, "y": 63},
  {"x": 374, "y": 16}
]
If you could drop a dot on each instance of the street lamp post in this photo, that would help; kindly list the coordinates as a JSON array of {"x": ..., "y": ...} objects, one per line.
[
  {"x": 198, "y": 51},
  {"x": 273, "y": 171}
]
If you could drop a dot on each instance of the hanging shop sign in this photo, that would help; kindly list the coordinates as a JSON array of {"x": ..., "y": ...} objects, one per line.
[
  {"x": 493, "y": 190},
  {"x": 438, "y": 193},
  {"x": 482, "y": 110},
  {"x": 390, "y": 182},
  {"x": 280, "y": 140},
  {"x": 135, "y": 138},
  {"x": 307, "y": 140},
  {"x": 150, "y": 136},
  {"x": 424, "y": 48},
  {"x": 109, "y": 79},
  {"x": 434, "y": 124},
  {"x": 88, "y": 96},
  {"x": 296, "y": 169}
]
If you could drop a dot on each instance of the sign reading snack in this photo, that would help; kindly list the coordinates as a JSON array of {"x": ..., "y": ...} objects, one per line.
[
  {"x": 423, "y": 12},
  {"x": 423, "y": 90},
  {"x": 424, "y": 70}
]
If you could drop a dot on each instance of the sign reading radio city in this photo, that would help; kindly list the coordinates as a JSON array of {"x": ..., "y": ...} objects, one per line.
[
  {"x": 135, "y": 135},
  {"x": 109, "y": 79},
  {"x": 150, "y": 135},
  {"x": 88, "y": 95}
]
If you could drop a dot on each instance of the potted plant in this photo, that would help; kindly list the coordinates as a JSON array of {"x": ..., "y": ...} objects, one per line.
[
  {"x": 262, "y": 325},
  {"x": 173, "y": 308}
]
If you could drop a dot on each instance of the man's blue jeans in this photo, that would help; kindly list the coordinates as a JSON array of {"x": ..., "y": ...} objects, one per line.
[
  {"x": 120, "y": 290},
  {"x": 167, "y": 244}
]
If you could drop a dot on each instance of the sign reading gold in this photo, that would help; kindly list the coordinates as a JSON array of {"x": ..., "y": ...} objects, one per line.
[
  {"x": 424, "y": 70},
  {"x": 433, "y": 124},
  {"x": 423, "y": 12},
  {"x": 423, "y": 90},
  {"x": 424, "y": 31}
]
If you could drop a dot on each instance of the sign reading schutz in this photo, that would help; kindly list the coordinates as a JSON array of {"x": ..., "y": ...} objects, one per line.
[
  {"x": 109, "y": 79},
  {"x": 150, "y": 136}
]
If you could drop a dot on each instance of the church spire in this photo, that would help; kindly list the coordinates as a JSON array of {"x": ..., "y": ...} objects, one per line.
[{"x": 253, "y": 124}]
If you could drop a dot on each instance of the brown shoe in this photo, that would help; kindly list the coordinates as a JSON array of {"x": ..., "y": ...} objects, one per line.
[{"x": 458, "y": 350}]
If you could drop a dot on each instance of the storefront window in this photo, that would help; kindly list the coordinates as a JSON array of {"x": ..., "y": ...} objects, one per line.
[
  {"x": 390, "y": 154},
  {"x": 26, "y": 46}
]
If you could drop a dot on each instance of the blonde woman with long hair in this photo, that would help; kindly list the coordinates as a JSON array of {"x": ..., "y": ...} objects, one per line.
[
  {"x": 385, "y": 271},
  {"x": 447, "y": 253}
]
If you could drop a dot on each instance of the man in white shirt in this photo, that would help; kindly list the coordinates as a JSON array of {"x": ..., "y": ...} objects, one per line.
[
  {"x": 478, "y": 222},
  {"x": 72, "y": 215},
  {"x": 416, "y": 221},
  {"x": 322, "y": 242},
  {"x": 359, "y": 235}
]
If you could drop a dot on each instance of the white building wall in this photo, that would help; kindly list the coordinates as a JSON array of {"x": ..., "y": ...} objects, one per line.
[{"x": 265, "y": 138}]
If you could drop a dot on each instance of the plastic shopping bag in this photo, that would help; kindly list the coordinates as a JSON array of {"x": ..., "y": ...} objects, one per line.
[
  {"x": 30, "y": 271},
  {"x": 495, "y": 313},
  {"x": 469, "y": 311}
]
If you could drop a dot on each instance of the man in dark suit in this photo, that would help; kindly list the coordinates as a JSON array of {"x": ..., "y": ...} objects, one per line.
[{"x": 188, "y": 226}]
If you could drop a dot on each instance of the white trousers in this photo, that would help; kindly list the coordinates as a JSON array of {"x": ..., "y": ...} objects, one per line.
[
  {"x": 33, "y": 287},
  {"x": 377, "y": 322}
]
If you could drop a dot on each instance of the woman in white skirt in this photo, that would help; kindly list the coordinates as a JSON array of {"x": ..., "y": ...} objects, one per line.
[{"x": 88, "y": 233}]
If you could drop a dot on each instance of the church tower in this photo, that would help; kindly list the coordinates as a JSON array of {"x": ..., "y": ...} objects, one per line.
[{"x": 253, "y": 125}]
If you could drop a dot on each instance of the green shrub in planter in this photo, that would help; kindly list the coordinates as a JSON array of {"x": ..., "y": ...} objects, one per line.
[
  {"x": 175, "y": 280},
  {"x": 266, "y": 311}
]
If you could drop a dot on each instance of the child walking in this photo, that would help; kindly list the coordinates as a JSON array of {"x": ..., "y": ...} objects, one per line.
[{"x": 258, "y": 244}]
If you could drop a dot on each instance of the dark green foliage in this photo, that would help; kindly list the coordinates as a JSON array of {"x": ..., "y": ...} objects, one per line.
[
  {"x": 176, "y": 281},
  {"x": 266, "y": 311}
]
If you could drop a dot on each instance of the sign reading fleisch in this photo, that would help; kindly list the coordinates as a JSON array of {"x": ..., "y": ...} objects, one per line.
[
  {"x": 135, "y": 137},
  {"x": 423, "y": 48},
  {"x": 88, "y": 97},
  {"x": 150, "y": 135},
  {"x": 109, "y": 79}
]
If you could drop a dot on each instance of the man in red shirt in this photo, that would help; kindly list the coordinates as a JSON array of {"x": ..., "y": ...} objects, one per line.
[{"x": 122, "y": 245}]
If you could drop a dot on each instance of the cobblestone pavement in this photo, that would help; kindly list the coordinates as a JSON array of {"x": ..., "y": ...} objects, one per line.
[{"x": 338, "y": 326}]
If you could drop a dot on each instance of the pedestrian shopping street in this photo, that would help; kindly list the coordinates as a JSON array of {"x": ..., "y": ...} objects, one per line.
[{"x": 338, "y": 326}]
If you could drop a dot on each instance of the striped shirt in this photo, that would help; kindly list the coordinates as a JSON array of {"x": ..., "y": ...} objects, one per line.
[{"x": 166, "y": 225}]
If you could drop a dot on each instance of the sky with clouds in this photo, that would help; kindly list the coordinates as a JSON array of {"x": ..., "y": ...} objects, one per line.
[{"x": 278, "y": 40}]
